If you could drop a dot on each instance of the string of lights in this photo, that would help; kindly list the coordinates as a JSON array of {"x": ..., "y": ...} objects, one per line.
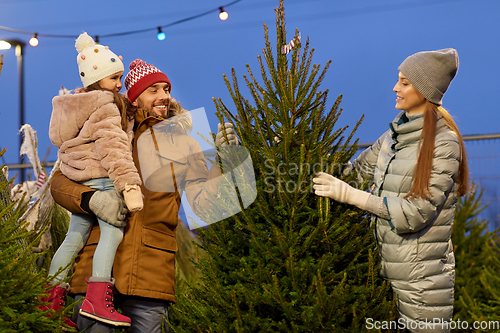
[{"x": 223, "y": 15}]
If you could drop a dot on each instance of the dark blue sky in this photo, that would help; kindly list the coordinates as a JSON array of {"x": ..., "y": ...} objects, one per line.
[{"x": 365, "y": 39}]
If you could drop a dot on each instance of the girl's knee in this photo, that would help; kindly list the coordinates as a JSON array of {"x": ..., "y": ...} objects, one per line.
[
  {"x": 74, "y": 240},
  {"x": 113, "y": 234}
]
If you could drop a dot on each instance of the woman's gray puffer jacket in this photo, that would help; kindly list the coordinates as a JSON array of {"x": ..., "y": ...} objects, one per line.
[{"x": 415, "y": 243}]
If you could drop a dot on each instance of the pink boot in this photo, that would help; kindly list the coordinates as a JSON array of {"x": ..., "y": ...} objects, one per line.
[
  {"x": 56, "y": 297},
  {"x": 98, "y": 303}
]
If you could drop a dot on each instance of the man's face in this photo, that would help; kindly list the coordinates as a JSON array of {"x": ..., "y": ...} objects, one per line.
[{"x": 155, "y": 100}]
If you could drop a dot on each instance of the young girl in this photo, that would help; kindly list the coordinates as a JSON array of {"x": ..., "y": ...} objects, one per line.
[
  {"x": 89, "y": 127},
  {"x": 418, "y": 167}
]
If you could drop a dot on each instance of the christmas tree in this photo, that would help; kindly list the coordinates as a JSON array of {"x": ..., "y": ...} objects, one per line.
[
  {"x": 22, "y": 282},
  {"x": 291, "y": 261},
  {"x": 477, "y": 253}
]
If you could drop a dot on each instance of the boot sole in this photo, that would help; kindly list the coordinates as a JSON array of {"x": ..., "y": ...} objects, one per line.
[{"x": 104, "y": 320}]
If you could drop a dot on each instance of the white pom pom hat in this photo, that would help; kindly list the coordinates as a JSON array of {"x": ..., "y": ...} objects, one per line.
[{"x": 95, "y": 61}]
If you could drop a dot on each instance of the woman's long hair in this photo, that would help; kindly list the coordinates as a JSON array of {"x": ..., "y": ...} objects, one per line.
[
  {"x": 120, "y": 102},
  {"x": 423, "y": 169}
]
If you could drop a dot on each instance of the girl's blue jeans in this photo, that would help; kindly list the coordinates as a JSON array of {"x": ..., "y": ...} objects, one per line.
[{"x": 78, "y": 233}]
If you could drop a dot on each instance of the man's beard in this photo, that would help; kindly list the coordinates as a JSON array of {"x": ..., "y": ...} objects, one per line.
[{"x": 152, "y": 111}]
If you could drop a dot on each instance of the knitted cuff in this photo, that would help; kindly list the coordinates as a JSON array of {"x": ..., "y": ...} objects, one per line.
[
  {"x": 102, "y": 279},
  {"x": 376, "y": 205}
]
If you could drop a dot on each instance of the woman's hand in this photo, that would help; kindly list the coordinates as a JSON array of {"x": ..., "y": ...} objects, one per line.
[{"x": 326, "y": 185}]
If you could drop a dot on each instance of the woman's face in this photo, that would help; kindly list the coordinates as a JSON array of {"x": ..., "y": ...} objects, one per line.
[{"x": 408, "y": 98}]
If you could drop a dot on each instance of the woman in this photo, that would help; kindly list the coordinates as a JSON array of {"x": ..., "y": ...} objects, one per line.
[{"x": 418, "y": 167}]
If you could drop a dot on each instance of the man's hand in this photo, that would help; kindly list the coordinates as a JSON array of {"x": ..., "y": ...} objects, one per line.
[
  {"x": 220, "y": 140},
  {"x": 326, "y": 185},
  {"x": 110, "y": 207}
]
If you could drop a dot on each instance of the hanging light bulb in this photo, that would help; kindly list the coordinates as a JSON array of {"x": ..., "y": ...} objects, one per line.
[
  {"x": 34, "y": 40},
  {"x": 4, "y": 45},
  {"x": 161, "y": 35},
  {"x": 223, "y": 14}
]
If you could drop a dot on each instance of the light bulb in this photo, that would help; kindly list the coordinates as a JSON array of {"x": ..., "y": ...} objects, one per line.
[
  {"x": 34, "y": 41},
  {"x": 4, "y": 45},
  {"x": 223, "y": 14},
  {"x": 161, "y": 35}
]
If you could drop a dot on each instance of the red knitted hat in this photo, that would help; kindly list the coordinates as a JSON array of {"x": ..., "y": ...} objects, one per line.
[{"x": 141, "y": 76}]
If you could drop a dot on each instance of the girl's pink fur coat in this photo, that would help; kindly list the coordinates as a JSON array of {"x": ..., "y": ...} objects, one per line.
[{"x": 86, "y": 127}]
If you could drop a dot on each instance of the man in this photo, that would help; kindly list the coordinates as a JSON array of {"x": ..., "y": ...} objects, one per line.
[{"x": 144, "y": 266}]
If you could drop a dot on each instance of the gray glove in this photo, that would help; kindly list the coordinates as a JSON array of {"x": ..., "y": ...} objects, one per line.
[
  {"x": 220, "y": 140},
  {"x": 110, "y": 207}
]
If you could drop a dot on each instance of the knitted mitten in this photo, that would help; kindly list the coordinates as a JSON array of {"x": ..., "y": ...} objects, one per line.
[{"x": 133, "y": 197}]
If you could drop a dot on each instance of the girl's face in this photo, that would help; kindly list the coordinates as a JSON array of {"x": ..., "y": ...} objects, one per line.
[
  {"x": 112, "y": 82},
  {"x": 408, "y": 98}
]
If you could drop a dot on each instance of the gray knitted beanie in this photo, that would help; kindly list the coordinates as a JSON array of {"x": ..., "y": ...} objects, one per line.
[{"x": 431, "y": 72}]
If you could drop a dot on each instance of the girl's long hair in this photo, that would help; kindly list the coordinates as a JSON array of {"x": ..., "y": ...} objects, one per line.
[
  {"x": 120, "y": 102},
  {"x": 423, "y": 169}
]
